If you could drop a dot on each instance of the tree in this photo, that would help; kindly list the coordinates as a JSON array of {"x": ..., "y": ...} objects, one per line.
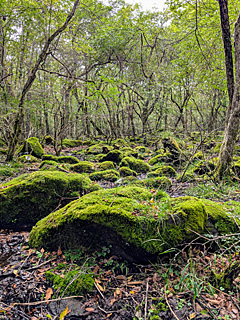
[
  {"x": 28, "y": 84},
  {"x": 233, "y": 113}
]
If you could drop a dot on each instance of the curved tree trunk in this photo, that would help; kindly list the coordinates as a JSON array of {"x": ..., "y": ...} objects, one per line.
[
  {"x": 21, "y": 109},
  {"x": 232, "y": 127}
]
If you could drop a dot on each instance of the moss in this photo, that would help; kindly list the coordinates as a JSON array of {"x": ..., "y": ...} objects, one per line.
[
  {"x": 223, "y": 218},
  {"x": 119, "y": 217},
  {"x": 44, "y": 163},
  {"x": 28, "y": 159},
  {"x": 3, "y": 151},
  {"x": 198, "y": 156},
  {"x": 67, "y": 159},
  {"x": 205, "y": 167},
  {"x": 28, "y": 198},
  {"x": 162, "y": 157},
  {"x": 155, "y": 183},
  {"x": 69, "y": 283},
  {"x": 163, "y": 171},
  {"x": 142, "y": 149},
  {"x": 135, "y": 164},
  {"x": 6, "y": 172},
  {"x": 83, "y": 166},
  {"x": 125, "y": 171},
  {"x": 98, "y": 148},
  {"x": 68, "y": 143},
  {"x": 48, "y": 140},
  {"x": 108, "y": 175},
  {"x": 49, "y": 157},
  {"x": 106, "y": 165},
  {"x": 32, "y": 146},
  {"x": 114, "y": 156}
]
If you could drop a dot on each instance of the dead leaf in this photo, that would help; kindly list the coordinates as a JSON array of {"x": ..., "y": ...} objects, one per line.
[
  {"x": 63, "y": 314},
  {"x": 59, "y": 252},
  {"x": 49, "y": 293},
  {"x": 100, "y": 287},
  {"x": 15, "y": 272},
  {"x": 89, "y": 309},
  {"x": 121, "y": 277}
]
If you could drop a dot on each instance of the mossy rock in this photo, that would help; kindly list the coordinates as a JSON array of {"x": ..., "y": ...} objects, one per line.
[
  {"x": 155, "y": 183},
  {"x": 98, "y": 148},
  {"x": 137, "y": 165},
  {"x": 114, "y": 156},
  {"x": 106, "y": 165},
  {"x": 46, "y": 163},
  {"x": 83, "y": 167},
  {"x": 108, "y": 175},
  {"x": 29, "y": 197},
  {"x": 205, "y": 167},
  {"x": 32, "y": 146},
  {"x": 28, "y": 158},
  {"x": 70, "y": 282},
  {"x": 159, "y": 158},
  {"x": 142, "y": 149},
  {"x": 125, "y": 171},
  {"x": 163, "y": 171},
  {"x": 223, "y": 218},
  {"x": 68, "y": 143},
  {"x": 124, "y": 218},
  {"x": 67, "y": 159},
  {"x": 49, "y": 157},
  {"x": 48, "y": 140}
]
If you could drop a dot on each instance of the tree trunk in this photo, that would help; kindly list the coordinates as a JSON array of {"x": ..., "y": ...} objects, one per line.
[
  {"x": 231, "y": 130},
  {"x": 21, "y": 109}
]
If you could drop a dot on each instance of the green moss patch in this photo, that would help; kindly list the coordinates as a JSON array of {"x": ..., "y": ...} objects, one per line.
[
  {"x": 128, "y": 218},
  {"x": 28, "y": 158},
  {"x": 32, "y": 146},
  {"x": 125, "y": 171},
  {"x": 83, "y": 166},
  {"x": 28, "y": 198},
  {"x": 67, "y": 159},
  {"x": 114, "y": 156},
  {"x": 163, "y": 171},
  {"x": 106, "y": 165},
  {"x": 108, "y": 175},
  {"x": 135, "y": 164}
]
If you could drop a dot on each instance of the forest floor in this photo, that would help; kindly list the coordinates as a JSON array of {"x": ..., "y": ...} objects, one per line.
[{"x": 176, "y": 287}]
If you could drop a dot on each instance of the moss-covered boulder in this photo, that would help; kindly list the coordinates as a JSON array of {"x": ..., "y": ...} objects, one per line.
[
  {"x": 108, "y": 175},
  {"x": 114, "y": 156},
  {"x": 29, "y": 197},
  {"x": 127, "y": 218},
  {"x": 205, "y": 167},
  {"x": 28, "y": 158},
  {"x": 83, "y": 167},
  {"x": 48, "y": 140},
  {"x": 32, "y": 146},
  {"x": 68, "y": 143},
  {"x": 67, "y": 159},
  {"x": 159, "y": 158},
  {"x": 137, "y": 165},
  {"x": 45, "y": 163},
  {"x": 163, "y": 171},
  {"x": 126, "y": 171},
  {"x": 50, "y": 157},
  {"x": 106, "y": 165},
  {"x": 98, "y": 148},
  {"x": 155, "y": 183}
]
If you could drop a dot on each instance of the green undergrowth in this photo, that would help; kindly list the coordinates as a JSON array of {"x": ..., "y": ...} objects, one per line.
[{"x": 70, "y": 280}]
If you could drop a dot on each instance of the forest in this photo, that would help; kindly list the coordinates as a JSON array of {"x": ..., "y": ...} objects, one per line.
[{"x": 119, "y": 160}]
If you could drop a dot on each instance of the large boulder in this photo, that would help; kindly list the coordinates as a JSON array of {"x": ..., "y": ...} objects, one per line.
[
  {"x": 135, "y": 225},
  {"x": 30, "y": 197}
]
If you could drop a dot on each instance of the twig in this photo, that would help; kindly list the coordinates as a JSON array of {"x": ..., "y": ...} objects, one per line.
[
  {"x": 44, "y": 301},
  {"x": 146, "y": 300},
  {"x": 165, "y": 294},
  {"x": 99, "y": 290},
  {"x": 40, "y": 265}
]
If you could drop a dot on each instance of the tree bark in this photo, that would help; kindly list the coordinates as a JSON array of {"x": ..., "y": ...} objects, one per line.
[
  {"x": 232, "y": 128},
  {"x": 21, "y": 109}
]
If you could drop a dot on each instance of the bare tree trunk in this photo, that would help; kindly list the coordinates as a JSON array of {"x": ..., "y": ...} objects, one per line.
[
  {"x": 21, "y": 109},
  {"x": 231, "y": 130}
]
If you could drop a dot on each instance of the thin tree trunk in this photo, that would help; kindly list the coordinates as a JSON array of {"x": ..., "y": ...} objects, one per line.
[{"x": 21, "y": 110}]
